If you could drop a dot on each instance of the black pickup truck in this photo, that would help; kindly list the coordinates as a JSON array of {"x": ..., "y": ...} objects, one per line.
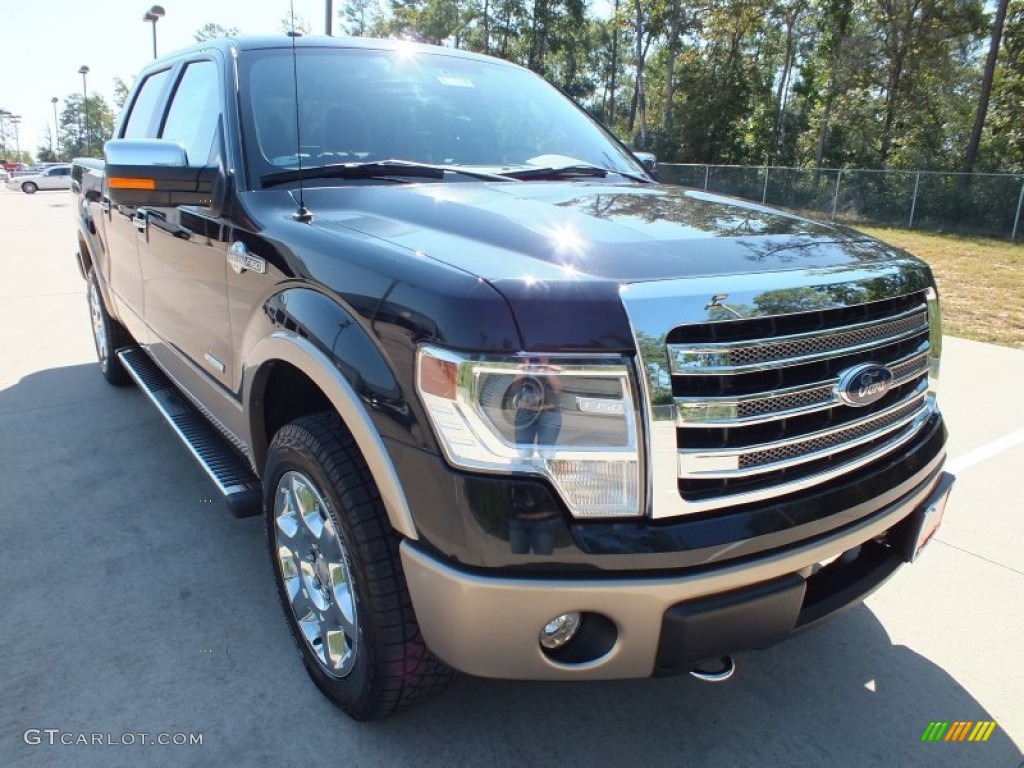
[{"x": 508, "y": 404}]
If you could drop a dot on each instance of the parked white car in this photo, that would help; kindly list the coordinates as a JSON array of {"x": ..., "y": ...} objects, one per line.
[{"x": 54, "y": 177}]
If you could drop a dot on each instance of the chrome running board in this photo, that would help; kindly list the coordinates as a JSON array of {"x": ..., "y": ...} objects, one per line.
[{"x": 228, "y": 469}]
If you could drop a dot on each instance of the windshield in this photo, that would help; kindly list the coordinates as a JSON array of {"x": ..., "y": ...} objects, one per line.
[{"x": 359, "y": 105}]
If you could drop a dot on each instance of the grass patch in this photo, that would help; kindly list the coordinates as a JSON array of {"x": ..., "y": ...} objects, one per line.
[{"x": 981, "y": 282}]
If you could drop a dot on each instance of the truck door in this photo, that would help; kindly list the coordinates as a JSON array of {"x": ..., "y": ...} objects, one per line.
[
  {"x": 121, "y": 226},
  {"x": 184, "y": 252}
]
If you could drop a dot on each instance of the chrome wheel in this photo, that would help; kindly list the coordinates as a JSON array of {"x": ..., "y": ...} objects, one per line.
[
  {"x": 314, "y": 568},
  {"x": 338, "y": 573},
  {"x": 99, "y": 327}
]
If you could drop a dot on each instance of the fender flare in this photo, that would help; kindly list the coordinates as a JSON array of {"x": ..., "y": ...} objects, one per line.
[{"x": 291, "y": 348}]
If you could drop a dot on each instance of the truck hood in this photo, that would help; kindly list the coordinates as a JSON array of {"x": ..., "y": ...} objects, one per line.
[
  {"x": 551, "y": 230},
  {"x": 559, "y": 253}
]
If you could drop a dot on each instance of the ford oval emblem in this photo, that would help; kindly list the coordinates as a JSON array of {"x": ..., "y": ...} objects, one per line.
[{"x": 863, "y": 384}]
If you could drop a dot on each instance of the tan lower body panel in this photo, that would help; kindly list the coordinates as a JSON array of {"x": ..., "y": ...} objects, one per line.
[{"x": 489, "y": 626}]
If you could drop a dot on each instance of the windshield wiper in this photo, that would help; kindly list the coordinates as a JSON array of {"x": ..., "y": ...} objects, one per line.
[
  {"x": 570, "y": 171},
  {"x": 375, "y": 169}
]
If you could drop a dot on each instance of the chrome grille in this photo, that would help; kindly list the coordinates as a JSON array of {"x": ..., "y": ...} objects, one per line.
[
  {"x": 724, "y": 440},
  {"x": 743, "y": 404}
]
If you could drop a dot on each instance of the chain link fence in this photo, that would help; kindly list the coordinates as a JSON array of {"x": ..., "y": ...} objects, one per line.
[{"x": 977, "y": 203}]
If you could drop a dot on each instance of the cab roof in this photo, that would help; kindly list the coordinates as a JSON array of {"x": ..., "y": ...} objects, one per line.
[{"x": 242, "y": 43}]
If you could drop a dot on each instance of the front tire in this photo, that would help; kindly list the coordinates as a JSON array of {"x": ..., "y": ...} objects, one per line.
[
  {"x": 339, "y": 576},
  {"x": 108, "y": 335},
  {"x": 29, "y": 188}
]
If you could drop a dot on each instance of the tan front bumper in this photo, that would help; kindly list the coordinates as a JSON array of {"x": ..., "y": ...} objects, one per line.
[{"x": 489, "y": 626}]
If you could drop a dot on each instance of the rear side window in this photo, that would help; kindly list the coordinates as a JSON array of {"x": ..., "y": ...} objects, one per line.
[
  {"x": 141, "y": 115},
  {"x": 195, "y": 109}
]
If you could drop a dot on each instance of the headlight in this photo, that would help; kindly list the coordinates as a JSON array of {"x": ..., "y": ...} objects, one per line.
[{"x": 571, "y": 420}]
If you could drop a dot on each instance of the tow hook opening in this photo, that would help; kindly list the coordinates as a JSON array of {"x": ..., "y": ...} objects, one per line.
[{"x": 726, "y": 668}]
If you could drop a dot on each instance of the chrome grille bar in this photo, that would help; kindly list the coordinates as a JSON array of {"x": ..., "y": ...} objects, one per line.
[{"x": 797, "y": 349}]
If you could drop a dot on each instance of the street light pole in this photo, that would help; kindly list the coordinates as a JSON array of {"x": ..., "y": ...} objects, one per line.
[
  {"x": 56, "y": 128},
  {"x": 4, "y": 114},
  {"x": 153, "y": 15},
  {"x": 83, "y": 71},
  {"x": 16, "y": 121},
  {"x": 329, "y": 19}
]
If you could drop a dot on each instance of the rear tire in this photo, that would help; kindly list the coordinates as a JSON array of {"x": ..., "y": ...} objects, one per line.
[
  {"x": 339, "y": 575},
  {"x": 108, "y": 335},
  {"x": 29, "y": 188}
]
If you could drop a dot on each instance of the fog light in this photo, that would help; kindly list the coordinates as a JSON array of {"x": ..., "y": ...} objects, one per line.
[{"x": 560, "y": 630}]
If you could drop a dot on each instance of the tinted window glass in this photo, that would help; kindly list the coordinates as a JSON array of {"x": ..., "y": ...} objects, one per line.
[
  {"x": 145, "y": 103},
  {"x": 364, "y": 105},
  {"x": 192, "y": 119}
]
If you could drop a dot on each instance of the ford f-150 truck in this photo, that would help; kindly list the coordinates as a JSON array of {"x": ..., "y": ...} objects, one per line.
[{"x": 508, "y": 405}]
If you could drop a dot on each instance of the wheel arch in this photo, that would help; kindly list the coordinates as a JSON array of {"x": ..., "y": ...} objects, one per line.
[{"x": 285, "y": 359}]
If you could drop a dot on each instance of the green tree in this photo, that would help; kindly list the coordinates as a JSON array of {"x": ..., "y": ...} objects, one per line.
[
  {"x": 298, "y": 23},
  {"x": 121, "y": 91},
  {"x": 358, "y": 16},
  {"x": 84, "y": 132},
  {"x": 986, "y": 86},
  {"x": 13, "y": 156},
  {"x": 46, "y": 152},
  {"x": 837, "y": 26},
  {"x": 1003, "y": 143},
  {"x": 918, "y": 38},
  {"x": 821, "y": 83},
  {"x": 212, "y": 31},
  {"x": 427, "y": 21}
]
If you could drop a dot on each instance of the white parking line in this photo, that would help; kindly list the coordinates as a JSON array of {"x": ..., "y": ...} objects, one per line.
[{"x": 985, "y": 452}]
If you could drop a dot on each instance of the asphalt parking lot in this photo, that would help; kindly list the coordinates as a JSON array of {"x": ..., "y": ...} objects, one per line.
[{"x": 132, "y": 604}]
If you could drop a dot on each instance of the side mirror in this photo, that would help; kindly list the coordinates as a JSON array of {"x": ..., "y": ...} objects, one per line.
[
  {"x": 156, "y": 172},
  {"x": 648, "y": 160}
]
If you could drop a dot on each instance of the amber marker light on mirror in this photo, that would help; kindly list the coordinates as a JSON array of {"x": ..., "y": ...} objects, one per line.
[{"x": 116, "y": 183}]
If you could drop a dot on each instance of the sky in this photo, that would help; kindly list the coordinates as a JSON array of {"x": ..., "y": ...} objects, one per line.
[{"x": 45, "y": 42}]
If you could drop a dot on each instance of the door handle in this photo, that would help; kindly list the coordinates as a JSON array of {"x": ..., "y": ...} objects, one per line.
[{"x": 141, "y": 221}]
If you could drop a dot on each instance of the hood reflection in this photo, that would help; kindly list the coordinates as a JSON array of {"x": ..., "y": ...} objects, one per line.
[{"x": 554, "y": 231}]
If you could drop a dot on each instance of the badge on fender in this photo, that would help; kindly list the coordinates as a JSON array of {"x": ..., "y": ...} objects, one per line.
[{"x": 240, "y": 259}]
